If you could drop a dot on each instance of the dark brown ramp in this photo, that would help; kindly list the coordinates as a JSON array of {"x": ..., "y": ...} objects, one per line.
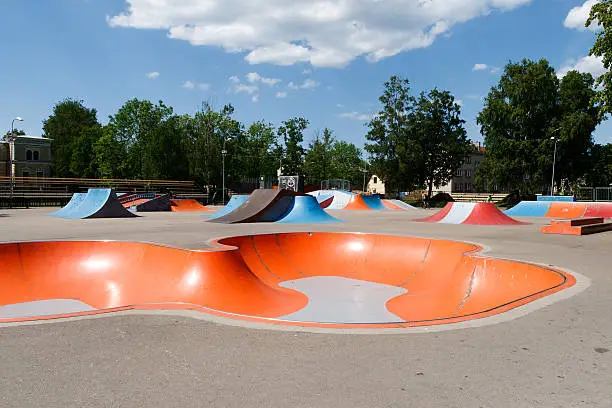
[
  {"x": 161, "y": 203},
  {"x": 263, "y": 205}
]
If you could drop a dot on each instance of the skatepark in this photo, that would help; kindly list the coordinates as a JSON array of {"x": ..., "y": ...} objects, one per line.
[{"x": 275, "y": 301}]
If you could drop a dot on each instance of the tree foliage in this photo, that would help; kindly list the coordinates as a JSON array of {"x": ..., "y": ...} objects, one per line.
[
  {"x": 416, "y": 141},
  {"x": 601, "y": 14},
  {"x": 292, "y": 133},
  {"x": 527, "y": 108},
  {"x": 72, "y": 128}
]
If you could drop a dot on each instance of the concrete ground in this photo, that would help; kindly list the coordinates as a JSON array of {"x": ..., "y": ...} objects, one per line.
[{"x": 557, "y": 356}]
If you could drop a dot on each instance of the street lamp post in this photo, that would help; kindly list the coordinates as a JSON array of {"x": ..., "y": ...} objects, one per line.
[
  {"x": 11, "y": 140},
  {"x": 552, "y": 180},
  {"x": 364, "y": 171}
]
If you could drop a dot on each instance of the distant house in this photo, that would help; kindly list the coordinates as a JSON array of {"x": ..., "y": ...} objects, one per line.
[
  {"x": 375, "y": 185},
  {"x": 31, "y": 156},
  {"x": 465, "y": 176}
]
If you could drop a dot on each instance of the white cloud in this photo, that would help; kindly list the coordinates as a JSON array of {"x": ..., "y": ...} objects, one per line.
[
  {"x": 250, "y": 88},
  {"x": 281, "y": 95},
  {"x": 152, "y": 75},
  {"x": 254, "y": 77},
  {"x": 307, "y": 84},
  {"x": 357, "y": 116},
  {"x": 324, "y": 33},
  {"x": 485, "y": 67},
  {"x": 255, "y": 98},
  {"x": 307, "y": 71},
  {"x": 590, "y": 64},
  {"x": 577, "y": 17},
  {"x": 195, "y": 85},
  {"x": 459, "y": 102}
]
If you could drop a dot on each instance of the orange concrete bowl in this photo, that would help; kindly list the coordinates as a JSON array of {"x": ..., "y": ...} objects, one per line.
[{"x": 333, "y": 280}]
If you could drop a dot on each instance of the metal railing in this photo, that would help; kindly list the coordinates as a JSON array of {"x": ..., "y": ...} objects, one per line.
[{"x": 594, "y": 194}]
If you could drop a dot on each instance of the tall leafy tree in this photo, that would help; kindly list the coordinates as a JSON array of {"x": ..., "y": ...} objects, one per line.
[
  {"x": 110, "y": 156},
  {"x": 83, "y": 161},
  {"x": 292, "y": 133},
  {"x": 319, "y": 158},
  {"x": 346, "y": 162},
  {"x": 601, "y": 14},
  {"x": 70, "y": 122},
  {"x": 388, "y": 135},
  {"x": 165, "y": 153},
  {"x": 133, "y": 125},
  {"x": 254, "y": 151},
  {"x": 600, "y": 172},
  {"x": 439, "y": 142},
  {"x": 522, "y": 113}
]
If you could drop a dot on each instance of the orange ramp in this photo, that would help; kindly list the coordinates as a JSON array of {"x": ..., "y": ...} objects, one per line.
[
  {"x": 566, "y": 210},
  {"x": 356, "y": 202},
  {"x": 187, "y": 205},
  {"x": 243, "y": 277}
]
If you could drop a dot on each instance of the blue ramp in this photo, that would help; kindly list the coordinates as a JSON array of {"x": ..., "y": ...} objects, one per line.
[
  {"x": 529, "y": 209},
  {"x": 99, "y": 203},
  {"x": 234, "y": 202},
  {"x": 306, "y": 210},
  {"x": 374, "y": 202},
  {"x": 75, "y": 201}
]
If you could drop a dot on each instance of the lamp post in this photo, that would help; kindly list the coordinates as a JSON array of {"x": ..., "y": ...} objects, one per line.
[
  {"x": 364, "y": 171},
  {"x": 223, "y": 153},
  {"x": 11, "y": 139},
  {"x": 552, "y": 180}
]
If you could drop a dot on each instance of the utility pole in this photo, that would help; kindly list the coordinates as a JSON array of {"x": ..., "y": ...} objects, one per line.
[{"x": 11, "y": 140}]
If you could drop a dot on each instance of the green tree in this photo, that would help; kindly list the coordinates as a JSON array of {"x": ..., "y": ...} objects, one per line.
[
  {"x": 389, "y": 135},
  {"x": 601, "y": 14},
  {"x": 70, "y": 122},
  {"x": 600, "y": 173},
  {"x": 319, "y": 158},
  {"x": 16, "y": 132},
  {"x": 83, "y": 161},
  {"x": 292, "y": 133},
  {"x": 254, "y": 151},
  {"x": 133, "y": 125},
  {"x": 110, "y": 155},
  {"x": 522, "y": 113},
  {"x": 208, "y": 133},
  {"x": 346, "y": 162},
  {"x": 439, "y": 142},
  {"x": 165, "y": 154}
]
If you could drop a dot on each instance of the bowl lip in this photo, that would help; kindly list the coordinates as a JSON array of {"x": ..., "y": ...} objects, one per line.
[{"x": 477, "y": 251}]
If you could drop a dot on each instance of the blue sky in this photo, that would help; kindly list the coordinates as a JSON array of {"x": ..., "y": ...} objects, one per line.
[{"x": 106, "y": 52}]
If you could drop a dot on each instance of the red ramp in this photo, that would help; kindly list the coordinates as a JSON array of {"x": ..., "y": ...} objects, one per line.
[{"x": 471, "y": 213}]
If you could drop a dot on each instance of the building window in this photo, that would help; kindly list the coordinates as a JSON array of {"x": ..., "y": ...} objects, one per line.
[
  {"x": 458, "y": 173},
  {"x": 28, "y": 155},
  {"x": 36, "y": 155},
  {"x": 373, "y": 191},
  {"x": 468, "y": 173},
  {"x": 375, "y": 180},
  {"x": 40, "y": 173},
  {"x": 468, "y": 160}
]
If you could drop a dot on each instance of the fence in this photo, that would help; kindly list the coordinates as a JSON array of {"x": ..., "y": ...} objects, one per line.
[
  {"x": 594, "y": 194},
  {"x": 35, "y": 191}
]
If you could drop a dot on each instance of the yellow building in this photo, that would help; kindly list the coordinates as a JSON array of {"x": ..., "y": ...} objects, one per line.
[{"x": 30, "y": 155}]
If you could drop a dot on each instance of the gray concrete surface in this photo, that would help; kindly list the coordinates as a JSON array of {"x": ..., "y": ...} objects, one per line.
[{"x": 558, "y": 356}]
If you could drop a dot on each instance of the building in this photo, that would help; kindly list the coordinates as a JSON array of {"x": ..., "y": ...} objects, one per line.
[
  {"x": 465, "y": 177},
  {"x": 375, "y": 185},
  {"x": 31, "y": 156}
]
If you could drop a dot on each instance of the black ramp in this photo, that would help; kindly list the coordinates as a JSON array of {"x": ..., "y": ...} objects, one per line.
[
  {"x": 161, "y": 203},
  {"x": 259, "y": 204}
]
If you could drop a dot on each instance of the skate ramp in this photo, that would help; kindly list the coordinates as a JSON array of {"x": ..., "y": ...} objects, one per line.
[
  {"x": 603, "y": 210},
  {"x": 340, "y": 198},
  {"x": 381, "y": 281},
  {"x": 187, "y": 205},
  {"x": 159, "y": 203},
  {"x": 99, "y": 203},
  {"x": 374, "y": 202},
  {"x": 566, "y": 210},
  {"x": 306, "y": 210},
  {"x": 356, "y": 203},
  {"x": 75, "y": 201},
  {"x": 263, "y": 205},
  {"x": 399, "y": 204},
  {"x": 234, "y": 202},
  {"x": 471, "y": 213},
  {"x": 529, "y": 209}
]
